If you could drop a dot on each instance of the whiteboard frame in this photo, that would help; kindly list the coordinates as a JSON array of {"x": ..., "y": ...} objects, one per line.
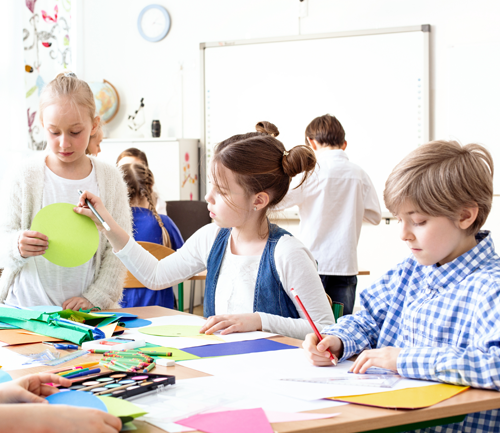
[{"x": 424, "y": 28}]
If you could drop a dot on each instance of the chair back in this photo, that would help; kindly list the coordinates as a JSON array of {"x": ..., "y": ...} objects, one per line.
[
  {"x": 159, "y": 251},
  {"x": 337, "y": 308},
  {"x": 188, "y": 215}
]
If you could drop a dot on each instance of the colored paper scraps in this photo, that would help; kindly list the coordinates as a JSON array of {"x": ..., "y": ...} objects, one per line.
[
  {"x": 73, "y": 238},
  {"x": 78, "y": 399},
  {"x": 409, "y": 398},
  {"x": 123, "y": 409},
  {"x": 173, "y": 331},
  {"x": 241, "y": 421},
  {"x": 237, "y": 348}
]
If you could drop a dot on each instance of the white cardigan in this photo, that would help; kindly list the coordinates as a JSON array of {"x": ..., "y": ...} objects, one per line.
[{"x": 22, "y": 192}]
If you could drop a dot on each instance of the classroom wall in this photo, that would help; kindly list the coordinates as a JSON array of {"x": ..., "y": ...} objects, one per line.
[{"x": 167, "y": 73}]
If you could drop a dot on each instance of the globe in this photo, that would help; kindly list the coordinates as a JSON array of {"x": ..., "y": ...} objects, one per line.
[{"x": 107, "y": 100}]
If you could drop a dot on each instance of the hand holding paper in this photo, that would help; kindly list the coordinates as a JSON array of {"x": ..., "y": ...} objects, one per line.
[
  {"x": 32, "y": 243},
  {"x": 76, "y": 303}
]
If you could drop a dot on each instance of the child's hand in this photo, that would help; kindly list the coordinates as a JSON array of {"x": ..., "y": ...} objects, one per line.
[
  {"x": 232, "y": 323},
  {"x": 31, "y": 389},
  {"x": 76, "y": 303},
  {"x": 36, "y": 418},
  {"x": 387, "y": 357},
  {"x": 317, "y": 353},
  {"x": 95, "y": 201},
  {"x": 32, "y": 244}
]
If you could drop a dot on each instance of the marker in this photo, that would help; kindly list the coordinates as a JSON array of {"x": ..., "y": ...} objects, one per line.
[
  {"x": 312, "y": 324},
  {"x": 95, "y": 212},
  {"x": 83, "y": 373}
]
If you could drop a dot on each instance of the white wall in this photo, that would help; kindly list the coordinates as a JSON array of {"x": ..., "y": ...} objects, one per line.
[{"x": 113, "y": 49}]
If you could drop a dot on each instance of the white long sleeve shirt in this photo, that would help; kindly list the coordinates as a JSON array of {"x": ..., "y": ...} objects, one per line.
[
  {"x": 234, "y": 293},
  {"x": 333, "y": 203}
]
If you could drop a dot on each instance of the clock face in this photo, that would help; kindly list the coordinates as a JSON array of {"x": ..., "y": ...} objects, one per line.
[{"x": 153, "y": 23}]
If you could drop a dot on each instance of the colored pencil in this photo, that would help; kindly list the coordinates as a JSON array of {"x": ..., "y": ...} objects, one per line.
[{"x": 312, "y": 324}]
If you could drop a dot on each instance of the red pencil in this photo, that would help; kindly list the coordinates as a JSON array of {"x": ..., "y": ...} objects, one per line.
[{"x": 312, "y": 323}]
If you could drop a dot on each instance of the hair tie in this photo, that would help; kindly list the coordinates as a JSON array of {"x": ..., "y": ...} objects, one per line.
[
  {"x": 70, "y": 74},
  {"x": 285, "y": 153}
]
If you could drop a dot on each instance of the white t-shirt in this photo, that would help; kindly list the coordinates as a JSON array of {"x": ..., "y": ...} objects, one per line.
[
  {"x": 41, "y": 282},
  {"x": 333, "y": 202},
  {"x": 295, "y": 265}
]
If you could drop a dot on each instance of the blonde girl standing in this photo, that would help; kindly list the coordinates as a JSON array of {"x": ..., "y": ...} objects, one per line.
[
  {"x": 251, "y": 265},
  {"x": 67, "y": 113}
]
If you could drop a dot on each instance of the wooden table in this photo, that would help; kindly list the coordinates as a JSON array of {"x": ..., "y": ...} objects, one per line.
[{"x": 352, "y": 418}]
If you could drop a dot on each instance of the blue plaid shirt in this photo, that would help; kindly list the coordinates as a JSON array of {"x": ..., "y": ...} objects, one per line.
[{"x": 445, "y": 318}]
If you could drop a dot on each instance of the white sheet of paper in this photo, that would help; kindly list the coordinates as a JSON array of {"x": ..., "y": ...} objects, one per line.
[
  {"x": 10, "y": 360},
  {"x": 191, "y": 396},
  {"x": 268, "y": 368}
]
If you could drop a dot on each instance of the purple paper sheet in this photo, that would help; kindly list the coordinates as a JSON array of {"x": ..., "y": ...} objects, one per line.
[{"x": 237, "y": 348}]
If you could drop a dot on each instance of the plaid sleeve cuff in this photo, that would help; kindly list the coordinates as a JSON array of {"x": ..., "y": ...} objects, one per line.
[
  {"x": 347, "y": 341},
  {"x": 418, "y": 362}
]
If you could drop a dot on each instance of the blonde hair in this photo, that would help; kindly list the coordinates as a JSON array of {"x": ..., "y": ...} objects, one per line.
[
  {"x": 99, "y": 128},
  {"x": 68, "y": 85},
  {"x": 442, "y": 177},
  {"x": 140, "y": 181}
]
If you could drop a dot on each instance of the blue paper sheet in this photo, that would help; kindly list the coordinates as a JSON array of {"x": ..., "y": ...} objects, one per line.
[
  {"x": 136, "y": 323},
  {"x": 78, "y": 399},
  {"x": 4, "y": 376},
  {"x": 237, "y": 348}
]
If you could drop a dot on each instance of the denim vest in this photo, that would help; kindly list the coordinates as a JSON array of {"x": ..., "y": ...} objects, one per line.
[{"x": 270, "y": 297}]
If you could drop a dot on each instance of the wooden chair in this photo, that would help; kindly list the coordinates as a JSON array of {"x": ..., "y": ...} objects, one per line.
[
  {"x": 159, "y": 251},
  {"x": 189, "y": 216}
]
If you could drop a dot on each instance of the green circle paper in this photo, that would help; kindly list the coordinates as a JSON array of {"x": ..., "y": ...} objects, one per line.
[
  {"x": 172, "y": 330},
  {"x": 73, "y": 238}
]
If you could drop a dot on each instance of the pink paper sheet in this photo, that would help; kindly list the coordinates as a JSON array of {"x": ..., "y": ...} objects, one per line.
[
  {"x": 242, "y": 421},
  {"x": 273, "y": 416}
]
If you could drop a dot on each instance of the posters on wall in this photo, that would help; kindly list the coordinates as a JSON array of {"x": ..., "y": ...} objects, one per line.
[{"x": 47, "y": 52}]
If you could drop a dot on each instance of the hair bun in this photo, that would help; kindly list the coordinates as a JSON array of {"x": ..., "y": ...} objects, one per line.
[{"x": 267, "y": 128}]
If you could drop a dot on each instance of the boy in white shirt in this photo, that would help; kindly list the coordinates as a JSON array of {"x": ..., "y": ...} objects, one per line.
[{"x": 333, "y": 202}]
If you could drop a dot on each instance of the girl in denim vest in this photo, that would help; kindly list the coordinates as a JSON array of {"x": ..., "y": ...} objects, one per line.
[{"x": 251, "y": 264}]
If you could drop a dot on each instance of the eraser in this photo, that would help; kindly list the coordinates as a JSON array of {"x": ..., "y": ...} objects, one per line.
[{"x": 165, "y": 362}]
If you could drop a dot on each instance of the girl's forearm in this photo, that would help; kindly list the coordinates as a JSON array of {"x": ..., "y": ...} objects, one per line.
[{"x": 117, "y": 237}]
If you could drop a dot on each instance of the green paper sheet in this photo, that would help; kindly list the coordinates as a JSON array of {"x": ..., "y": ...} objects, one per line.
[
  {"x": 42, "y": 323},
  {"x": 122, "y": 408},
  {"x": 73, "y": 238},
  {"x": 172, "y": 330},
  {"x": 177, "y": 354}
]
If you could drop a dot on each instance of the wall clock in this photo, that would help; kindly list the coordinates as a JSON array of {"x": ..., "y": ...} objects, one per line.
[{"x": 153, "y": 23}]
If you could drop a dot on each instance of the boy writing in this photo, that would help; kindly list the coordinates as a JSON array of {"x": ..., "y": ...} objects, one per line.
[
  {"x": 333, "y": 203},
  {"x": 435, "y": 315}
]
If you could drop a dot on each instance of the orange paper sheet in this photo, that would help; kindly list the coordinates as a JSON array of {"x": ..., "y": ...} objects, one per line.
[
  {"x": 409, "y": 398},
  {"x": 21, "y": 336}
]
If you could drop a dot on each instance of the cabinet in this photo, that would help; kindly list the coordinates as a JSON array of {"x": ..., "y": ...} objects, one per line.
[{"x": 173, "y": 161}]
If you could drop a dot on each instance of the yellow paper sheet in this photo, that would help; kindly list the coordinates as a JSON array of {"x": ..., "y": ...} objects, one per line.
[
  {"x": 409, "y": 398},
  {"x": 109, "y": 329}
]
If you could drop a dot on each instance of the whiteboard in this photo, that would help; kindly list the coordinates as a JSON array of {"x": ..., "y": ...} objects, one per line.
[
  {"x": 473, "y": 98},
  {"x": 375, "y": 82}
]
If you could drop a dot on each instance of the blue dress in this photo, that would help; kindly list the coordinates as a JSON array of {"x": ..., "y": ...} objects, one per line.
[{"x": 146, "y": 229}]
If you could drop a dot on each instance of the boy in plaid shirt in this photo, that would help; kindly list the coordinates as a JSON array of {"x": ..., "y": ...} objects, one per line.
[{"x": 435, "y": 315}]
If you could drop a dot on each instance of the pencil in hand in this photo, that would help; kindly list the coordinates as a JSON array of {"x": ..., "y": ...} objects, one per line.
[{"x": 332, "y": 357}]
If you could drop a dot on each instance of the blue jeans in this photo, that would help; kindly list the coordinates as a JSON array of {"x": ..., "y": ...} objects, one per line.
[{"x": 341, "y": 289}]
